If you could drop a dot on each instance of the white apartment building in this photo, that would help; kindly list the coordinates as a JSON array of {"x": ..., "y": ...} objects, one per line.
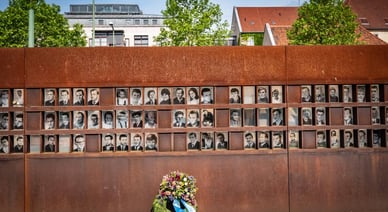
[{"x": 116, "y": 24}]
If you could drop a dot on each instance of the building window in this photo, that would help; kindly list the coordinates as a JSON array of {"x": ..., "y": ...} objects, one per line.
[
  {"x": 154, "y": 22},
  {"x": 137, "y": 22},
  {"x": 141, "y": 40},
  {"x": 145, "y": 22},
  {"x": 100, "y": 22},
  {"x": 364, "y": 21}
]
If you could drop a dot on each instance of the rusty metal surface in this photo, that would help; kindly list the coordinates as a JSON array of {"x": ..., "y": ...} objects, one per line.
[
  {"x": 12, "y": 68},
  {"x": 66, "y": 67},
  {"x": 337, "y": 64},
  {"x": 227, "y": 182},
  {"x": 12, "y": 182},
  {"x": 343, "y": 180}
]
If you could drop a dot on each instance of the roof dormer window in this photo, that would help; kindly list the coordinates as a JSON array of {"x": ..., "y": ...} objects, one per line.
[{"x": 364, "y": 21}]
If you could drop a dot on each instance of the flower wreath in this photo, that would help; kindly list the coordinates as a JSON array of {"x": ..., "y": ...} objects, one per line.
[{"x": 176, "y": 193}]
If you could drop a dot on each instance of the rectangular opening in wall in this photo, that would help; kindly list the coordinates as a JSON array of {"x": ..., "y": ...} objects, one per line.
[
  {"x": 236, "y": 141},
  {"x": 34, "y": 97},
  {"x": 222, "y": 118},
  {"x": 308, "y": 139},
  {"x": 179, "y": 142},
  {"x": 364, "y": 115},
  {"x": 165, "y": 142},
  {"x": 92, "y": 143}
]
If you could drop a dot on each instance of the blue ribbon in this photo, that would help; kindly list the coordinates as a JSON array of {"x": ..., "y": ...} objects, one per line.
[{"x": 177, "y": 206}]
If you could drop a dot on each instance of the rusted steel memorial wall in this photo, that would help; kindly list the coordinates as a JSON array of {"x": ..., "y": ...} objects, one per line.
[{"x": 277, "y": 128}]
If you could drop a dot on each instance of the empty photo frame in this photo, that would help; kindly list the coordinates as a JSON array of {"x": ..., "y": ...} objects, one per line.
[
  {"x": 249, "y": 115},
  {"x": 35, "y": 144},
  {"x": 263, "y": 116},
  {"x": 64, "y": 142},
  {"x": 293, "y": 116},
  {"x": 248, "y": 94}
]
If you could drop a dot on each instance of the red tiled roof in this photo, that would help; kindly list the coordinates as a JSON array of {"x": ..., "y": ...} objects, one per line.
[
  {"x": 253, "y": 19},
  {"x": 375, "y": 11},
  {"x": 280, "y": 36}
]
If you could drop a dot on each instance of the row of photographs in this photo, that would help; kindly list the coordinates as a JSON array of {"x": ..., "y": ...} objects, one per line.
[
  {"x": 248, "y": 117},
  {"x": 334, "y": 138},
  {"x": 199, "y": 95}
]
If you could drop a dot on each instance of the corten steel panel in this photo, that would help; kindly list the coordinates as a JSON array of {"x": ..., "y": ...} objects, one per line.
[
  {"x": 12, "y": 68},
  {"x": 344, "y": 180},
  {"x": 83, "y": 67},
  {"x": 238, "y": 182},
  {"x": 12, "y": 182},
  {"x": 337, "y": 64}
]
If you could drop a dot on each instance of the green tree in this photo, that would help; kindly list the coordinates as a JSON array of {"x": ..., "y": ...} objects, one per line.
[
  {"x": 51, "y": 28},
  {"x": 324, "y": 22},
  {"x": 192, "y": 23}
]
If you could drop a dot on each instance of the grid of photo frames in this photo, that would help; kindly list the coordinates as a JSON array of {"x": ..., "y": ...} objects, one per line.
[{"x": 327, "y": 116}]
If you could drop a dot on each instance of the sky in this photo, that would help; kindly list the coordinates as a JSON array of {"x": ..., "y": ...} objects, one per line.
[{"x": 155, "y": 6}]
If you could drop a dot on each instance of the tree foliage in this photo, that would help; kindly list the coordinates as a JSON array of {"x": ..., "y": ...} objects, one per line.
[
  {"x": 192, "y": 23},
  {"x": 51, "y": 28},
  {"x": 324, "y": 22}
]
